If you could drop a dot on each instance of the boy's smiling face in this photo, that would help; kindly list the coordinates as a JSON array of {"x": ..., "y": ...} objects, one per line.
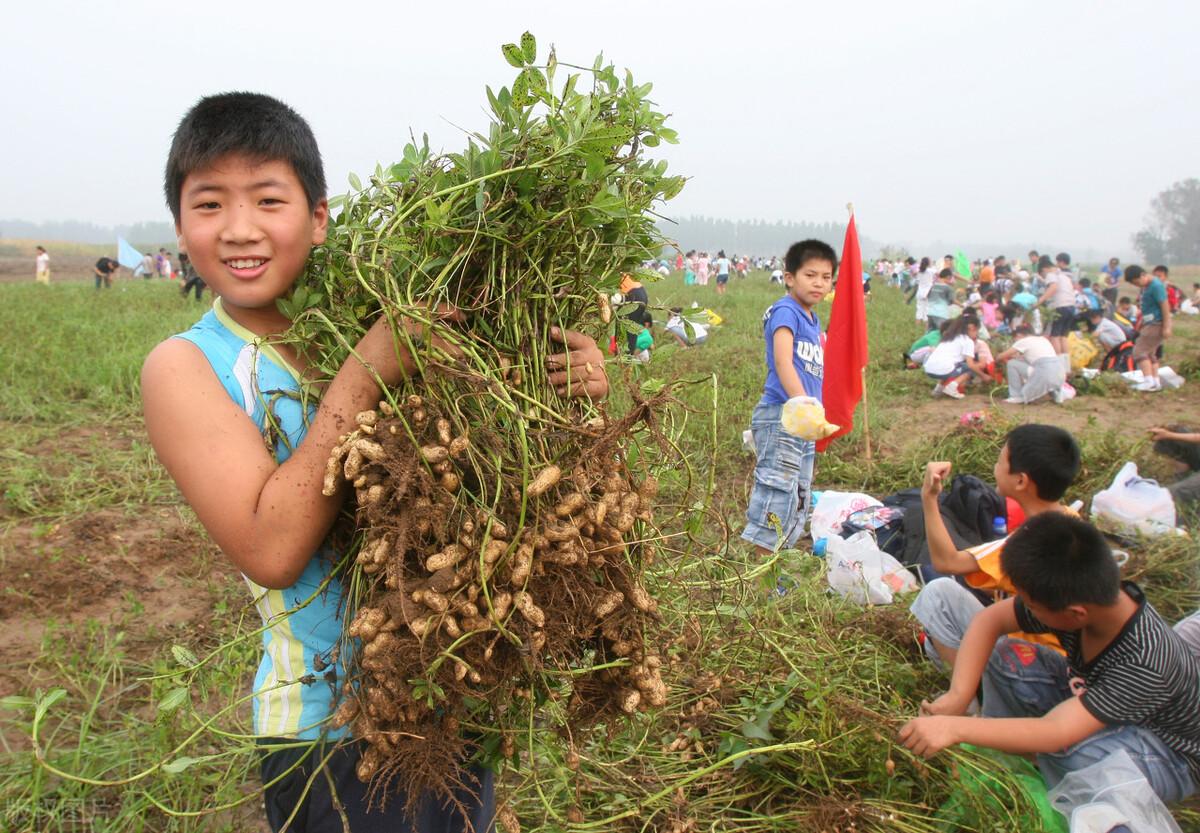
[
  {"x": 248, "y": 229},
  {"x": 810, "y": 283}
]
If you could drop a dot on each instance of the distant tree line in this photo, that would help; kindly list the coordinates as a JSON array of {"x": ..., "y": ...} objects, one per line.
[
  {"x": 752, "y": 237},
  {"x": 1172, "y": 230},
  {"x": 80, "y": 232}
]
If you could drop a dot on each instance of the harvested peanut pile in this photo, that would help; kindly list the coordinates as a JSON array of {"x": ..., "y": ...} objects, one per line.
[
  {"x": 462, "y": 603},
  {"x": 503, "y": 530}
]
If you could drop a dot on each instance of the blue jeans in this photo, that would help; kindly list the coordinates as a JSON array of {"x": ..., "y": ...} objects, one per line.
[
  {"x": 1027, "y": 680},
  {"x": 779, "y": 501}
]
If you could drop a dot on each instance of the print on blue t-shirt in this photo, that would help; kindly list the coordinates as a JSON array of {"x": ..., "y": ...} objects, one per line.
[
  {"x": 1152, "y": 298},
  {"x": 809, "y": 357}
]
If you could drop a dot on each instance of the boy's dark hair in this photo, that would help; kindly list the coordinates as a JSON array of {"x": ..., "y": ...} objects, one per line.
[
  {"x": 945, "y": 273},
  {"x": 1058, "y": 560},
  {"x": 1124, "y": 299},
  {"x": 1044, "y": 262},
  {"x": 991, "y": 297},
  {"x": 1084, "y": 283},
  {"x": 1047, "y": 455},
  {"x": 802, "y": 252},
  {"x": 677, "y": 310},
  {"x": 1134, "y": 273},
  {"x": 1095, "y": 313},
  {"x": 1063, "y": 258},
  {"x": 257, "y": 126},
  {"x": 1160, "y": 269},
  {"x": 41, "y": 248}
]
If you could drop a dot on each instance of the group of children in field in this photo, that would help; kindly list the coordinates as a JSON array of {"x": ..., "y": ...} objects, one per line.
[
  {"x": 954, "y": 350},
  {"x": 1051, "y": 654},
  {"x": 1097, "y": 669}
]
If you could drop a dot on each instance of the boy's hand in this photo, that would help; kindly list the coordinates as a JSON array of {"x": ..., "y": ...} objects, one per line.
[
  {"x": 948, "y": 704},
  {"x": 1157, "y": 433},
  {"x": 927, "y": 736},
  {"x": 579, "y": 371},
  {"x": 935, "y": 473}
]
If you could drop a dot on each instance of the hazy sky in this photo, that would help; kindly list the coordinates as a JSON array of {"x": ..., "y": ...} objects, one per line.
[{"x": 1047, "y": 121}]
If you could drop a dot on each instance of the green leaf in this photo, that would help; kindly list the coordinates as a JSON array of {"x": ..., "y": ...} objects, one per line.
[
  {"x": 46, "y": 701},
  {"x": 594, "y": 165},
  {"x": 16, "y": 701},
  {"x": 513, "y": 54},
  {"x": 528, "y": 48},
  {"x": 536, "y": 82},
  {"x": 520, "y": 91},
  {"x": 180, "y": 764},
  {"x": 756, "y": 732},
  {"x": 183, "y": 655},
  {"x": 355, "y": 182},
  {"x": 174, "y": 699}
]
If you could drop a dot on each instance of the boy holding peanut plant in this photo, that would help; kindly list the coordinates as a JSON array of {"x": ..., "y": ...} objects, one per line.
[
  {"x": 245, "y": 186},
  {"x": 779, "y": 500}
]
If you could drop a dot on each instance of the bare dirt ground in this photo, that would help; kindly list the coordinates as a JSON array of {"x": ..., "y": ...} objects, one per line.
[{"x": 152, "y": 564}]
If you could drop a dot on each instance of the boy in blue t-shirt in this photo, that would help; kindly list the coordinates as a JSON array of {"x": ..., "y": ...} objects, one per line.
[
  {"x": 1155, "y": 327},
  {"x": 795, "y": 362},
  {"x": 244, "y": 183}
]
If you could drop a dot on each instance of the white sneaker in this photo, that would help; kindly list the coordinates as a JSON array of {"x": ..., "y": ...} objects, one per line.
[
  {"x": 1015, "y": 400},
  {"x": 938, "y": 388},
  {"x": 1150, "y": 385},
  {"x": 952, "y": 391}
]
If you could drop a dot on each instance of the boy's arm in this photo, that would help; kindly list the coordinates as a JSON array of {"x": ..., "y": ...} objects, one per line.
[
  {"x": 985, "y": 629},
  {"x": 268, "y": 518},
  {"x": 944, "y": 556},
  {"x": 783, "y": 347},
  {"x": 1066, "y": 724},
  {"x": 1165, "y": 306}
]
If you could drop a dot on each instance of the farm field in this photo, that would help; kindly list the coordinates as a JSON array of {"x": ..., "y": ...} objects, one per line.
[{"x": 783, "y": 708}]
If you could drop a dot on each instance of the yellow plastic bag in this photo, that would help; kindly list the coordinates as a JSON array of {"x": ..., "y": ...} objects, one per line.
[
  {"x": 713, "y": 319},
  {"x": 1081, "y": 349},
  {"x": 804, "y": 417}
]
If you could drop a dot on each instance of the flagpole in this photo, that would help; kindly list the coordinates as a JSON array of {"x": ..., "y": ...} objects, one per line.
[{"x": 865, "y": 401}]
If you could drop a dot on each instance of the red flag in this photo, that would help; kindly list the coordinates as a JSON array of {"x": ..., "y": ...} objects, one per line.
[{"x": 846, "y": 342}]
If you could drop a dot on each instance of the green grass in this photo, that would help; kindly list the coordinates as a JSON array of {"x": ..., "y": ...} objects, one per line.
[{"x": 824, "y": 682}]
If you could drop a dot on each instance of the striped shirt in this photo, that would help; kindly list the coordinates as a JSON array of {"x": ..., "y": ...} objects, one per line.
[
  {"x": 297, "y": 675},
  {"x": 1145, "y": 677}
]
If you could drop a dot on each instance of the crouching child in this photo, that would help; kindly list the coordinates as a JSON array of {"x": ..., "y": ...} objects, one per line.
[{"x": 1127, "y": 681}]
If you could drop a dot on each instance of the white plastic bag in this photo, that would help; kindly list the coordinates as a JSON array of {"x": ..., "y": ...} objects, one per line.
[
  {"x": 1136, "y": 504},
  {"x": 1169, "y": 377},
  {"x": 833, "y": 508},
  {"x": 1108, "y": 792},
  {"x": 861, "y": 572}
]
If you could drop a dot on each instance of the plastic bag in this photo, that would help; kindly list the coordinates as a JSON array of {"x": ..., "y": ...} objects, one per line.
[
  {"x": 1081, "y": 349},
  {"x": 832, "y": 509},
  {"x": 804, "y": 417},
  {"x": 1109, "y": 791},
  {"x": 1135, "y": 504},
  {"x": 863, "y": 573}
]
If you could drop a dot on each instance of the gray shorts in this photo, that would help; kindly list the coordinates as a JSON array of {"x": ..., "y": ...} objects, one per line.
[{"x": 945, "y": 609}]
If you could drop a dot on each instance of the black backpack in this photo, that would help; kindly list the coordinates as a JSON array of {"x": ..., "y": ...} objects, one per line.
[{"x": 969, "y": 508}]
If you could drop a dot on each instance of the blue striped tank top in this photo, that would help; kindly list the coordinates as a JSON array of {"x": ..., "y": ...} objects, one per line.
[{"x": 303, "y": 621}]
